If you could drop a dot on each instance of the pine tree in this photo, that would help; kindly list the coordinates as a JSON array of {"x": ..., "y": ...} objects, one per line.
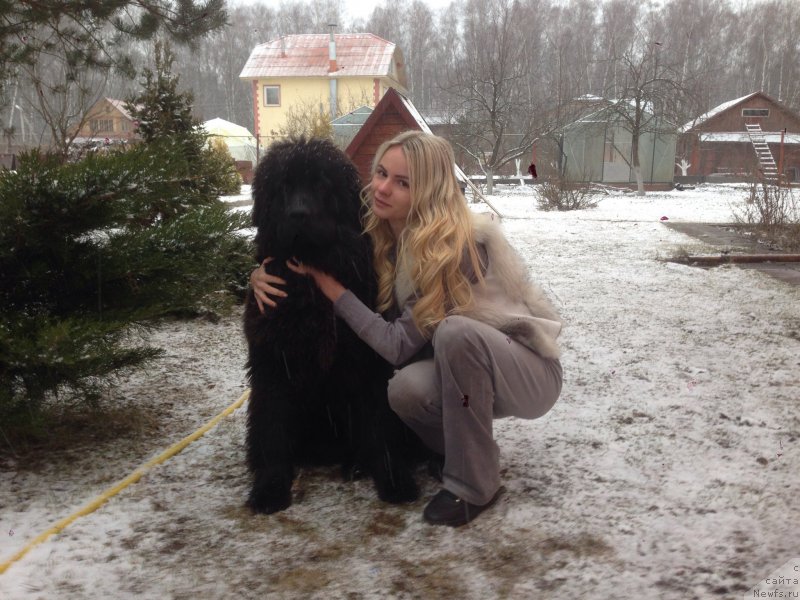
[
  {"x": 93, "y": 29},
  {"x": 163, "y": 112},
  {"x": 161, "y": 109},
  {"x": 92, "y": 251}
]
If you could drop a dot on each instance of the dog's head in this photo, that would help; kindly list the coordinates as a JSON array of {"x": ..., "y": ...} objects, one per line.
[{"x": 305, "y": 196}]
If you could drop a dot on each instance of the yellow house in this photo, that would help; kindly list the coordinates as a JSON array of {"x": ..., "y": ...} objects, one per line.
[{"x": 332, "y": 74}]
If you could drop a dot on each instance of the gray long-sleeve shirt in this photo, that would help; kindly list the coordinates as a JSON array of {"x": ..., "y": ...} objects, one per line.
[{"x": 398, "y": 340}]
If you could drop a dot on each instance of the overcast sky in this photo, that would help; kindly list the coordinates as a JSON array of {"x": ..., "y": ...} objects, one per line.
[
  {"x": 356, "y": 9},
  {"x": 363, "y": 8}
]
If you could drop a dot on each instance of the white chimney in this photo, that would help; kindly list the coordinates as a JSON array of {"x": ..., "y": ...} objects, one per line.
[{"x": 332, "y": 68}]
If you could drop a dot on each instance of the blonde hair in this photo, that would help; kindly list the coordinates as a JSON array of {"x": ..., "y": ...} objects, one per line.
[{"x": 436, "y": 235}]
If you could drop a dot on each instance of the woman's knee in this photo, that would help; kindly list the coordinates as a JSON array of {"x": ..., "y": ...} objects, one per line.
[
  {"x": 412, "y": 390},
  {"x": 457, "y": 334}
]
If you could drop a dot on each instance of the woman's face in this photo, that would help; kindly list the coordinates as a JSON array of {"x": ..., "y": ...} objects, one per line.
[{"x": 391, "y": 194}]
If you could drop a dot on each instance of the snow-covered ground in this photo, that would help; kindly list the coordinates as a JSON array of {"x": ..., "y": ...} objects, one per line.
[{"x": 668, "y": 468}]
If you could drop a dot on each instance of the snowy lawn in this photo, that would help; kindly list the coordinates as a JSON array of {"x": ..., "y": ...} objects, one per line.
[{"x": 668, "y": 468}]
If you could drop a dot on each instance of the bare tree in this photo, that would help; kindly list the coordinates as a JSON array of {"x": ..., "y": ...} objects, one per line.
[
  {"x": 212, "y": 69},
  {"x": 60, "y": 55},
  {"x": 646, "y": 89},
  {"x": 617, "y": 33},
  {"x": 701, "y": 61},
  {"x": 92, "y": 31},
  {"x": 510, "y": 79},
  {"x": 490, "y": 84},
  {"x": 772, "y": 31},
  {"x": 59, "y": 91}
]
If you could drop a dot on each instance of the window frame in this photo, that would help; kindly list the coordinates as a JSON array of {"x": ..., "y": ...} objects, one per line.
[
  {"x": 101, "y": 125},
  {"x": 756, "y": 116},
  {"x": 265, "y": 98}
]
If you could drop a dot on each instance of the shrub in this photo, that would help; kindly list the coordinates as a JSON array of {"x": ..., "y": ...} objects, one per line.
[
  {"x": 557, "y": 194},
  {"x": 773, "y": 212},
  {"x": 218, "y": 160}
]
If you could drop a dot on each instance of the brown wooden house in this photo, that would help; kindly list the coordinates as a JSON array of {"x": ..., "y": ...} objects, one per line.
[
  {"x": 392, "y": 115},
  {"x": 752, "y": 136}
]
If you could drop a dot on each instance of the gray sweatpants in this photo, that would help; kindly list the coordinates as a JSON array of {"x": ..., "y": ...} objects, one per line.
[{"x": 477, "y": 374}]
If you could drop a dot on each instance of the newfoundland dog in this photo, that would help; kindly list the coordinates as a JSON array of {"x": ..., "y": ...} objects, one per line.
[{"x": 318, "y": 393}]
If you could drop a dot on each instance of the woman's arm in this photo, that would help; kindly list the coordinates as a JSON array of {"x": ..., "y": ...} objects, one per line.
[
  {"x": 330, "y": 288},
  {"x": 397, "y": 341}
]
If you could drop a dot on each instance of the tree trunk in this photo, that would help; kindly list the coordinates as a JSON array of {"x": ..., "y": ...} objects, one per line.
[
  {"x": 489, "y": 180},
  {"x": 637, "y": 168}
]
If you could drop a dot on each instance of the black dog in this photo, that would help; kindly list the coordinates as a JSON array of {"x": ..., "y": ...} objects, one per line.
[{"x": 318, "y": 393}]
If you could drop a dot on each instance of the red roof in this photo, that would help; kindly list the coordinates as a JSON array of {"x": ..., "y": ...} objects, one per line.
[{"x": 357, "y": 54}]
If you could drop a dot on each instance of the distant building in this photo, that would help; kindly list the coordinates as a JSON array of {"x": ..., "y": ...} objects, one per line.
[
  {"x": 240, "y": 144},
  {"x": 752, "y": 136},
  {"x": 346, "y": 127},
  {"x": 394, "y": 114},
  {"x": 598, "y": 147},
  {"x": 108, "y": 119},
  {"x": 331, "y": 73}
]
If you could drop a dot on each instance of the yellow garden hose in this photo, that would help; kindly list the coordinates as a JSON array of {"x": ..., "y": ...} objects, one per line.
[{"x": 117, "y": 488}]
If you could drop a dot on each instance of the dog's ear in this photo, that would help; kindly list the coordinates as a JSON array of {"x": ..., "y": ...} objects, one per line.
[{"x": 267, "y": 178}]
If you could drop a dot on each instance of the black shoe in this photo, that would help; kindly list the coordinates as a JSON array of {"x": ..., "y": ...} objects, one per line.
[{"x": 448, "y": 509}]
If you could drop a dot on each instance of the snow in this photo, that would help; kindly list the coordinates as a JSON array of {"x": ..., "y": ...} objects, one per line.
[
  {"x": 242, "y": 196},
  {"x": 744, "y": 137},
  {"x": 667, "y": 468}
]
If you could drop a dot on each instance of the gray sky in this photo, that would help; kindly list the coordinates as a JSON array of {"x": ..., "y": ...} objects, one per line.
[
  {"x": 363, "y": 8},
  {"x": 355, "y": 8}
]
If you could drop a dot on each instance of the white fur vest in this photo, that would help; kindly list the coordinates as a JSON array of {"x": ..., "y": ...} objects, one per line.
[{"x": 508, "y": 300}]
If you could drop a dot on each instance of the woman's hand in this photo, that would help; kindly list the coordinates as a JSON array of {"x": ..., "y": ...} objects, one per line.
[
  {"x": 263, "y": 285},
  {"x": 331, "y": 288}
]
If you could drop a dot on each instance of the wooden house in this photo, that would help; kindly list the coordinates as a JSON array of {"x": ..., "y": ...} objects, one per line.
[
  {"x": 393, "y": 114},
  {"x": 752, "y": 136},
  {"x": 108, "y": 120},
  {"x": 318, "y": 73}
]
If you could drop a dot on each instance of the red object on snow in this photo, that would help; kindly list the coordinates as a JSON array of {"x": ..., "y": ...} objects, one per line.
[{"x": 665, "y": 218}]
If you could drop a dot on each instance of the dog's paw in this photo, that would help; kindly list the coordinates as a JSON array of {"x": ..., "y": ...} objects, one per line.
[
  {"x": 269, "y": 494},
  {"x": 397, "y": 487},
  {"x": 268, "y": 501}
]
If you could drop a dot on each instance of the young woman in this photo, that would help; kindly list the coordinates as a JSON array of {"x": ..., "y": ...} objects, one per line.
[{"x": 471, "y": 337}]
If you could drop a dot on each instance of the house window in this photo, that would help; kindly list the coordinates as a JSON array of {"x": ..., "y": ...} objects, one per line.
[
  {"x": 272, "y": 95},
  {"x": 100, "y": 125},
  {"x": 755, "y": 112}
]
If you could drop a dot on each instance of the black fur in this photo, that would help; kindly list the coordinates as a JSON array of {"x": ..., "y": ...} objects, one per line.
[{"x": 318, "y": 393}]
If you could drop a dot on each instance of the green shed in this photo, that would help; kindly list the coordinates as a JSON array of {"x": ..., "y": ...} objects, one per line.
[{"x": 598, "y": 148}]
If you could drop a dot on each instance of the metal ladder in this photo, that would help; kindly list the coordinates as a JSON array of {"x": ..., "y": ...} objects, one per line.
[{"x": 764, "y": 154}]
